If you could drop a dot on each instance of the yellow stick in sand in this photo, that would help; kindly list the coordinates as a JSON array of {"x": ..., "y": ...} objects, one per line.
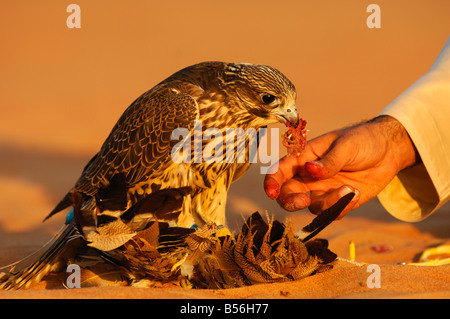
[{"x": 351, "y": 250}]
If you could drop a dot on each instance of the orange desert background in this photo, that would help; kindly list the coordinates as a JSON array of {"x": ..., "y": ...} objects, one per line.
[{"x": 62, "y": 90}]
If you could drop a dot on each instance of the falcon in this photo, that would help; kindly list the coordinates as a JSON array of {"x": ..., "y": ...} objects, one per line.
[
  {"x": 135, "y": 159},
  {"x": 111, "y": 200}
]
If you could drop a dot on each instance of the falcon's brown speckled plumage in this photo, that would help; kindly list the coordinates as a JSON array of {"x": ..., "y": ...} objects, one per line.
[
  {"x": 135, "y": 160},
  {"x": 137, "y": 154}
]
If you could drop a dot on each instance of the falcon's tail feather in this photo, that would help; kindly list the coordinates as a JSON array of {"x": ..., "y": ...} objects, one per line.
[
  {"x": 50, "y": 260},
  {"x": 63, "y": 204}
]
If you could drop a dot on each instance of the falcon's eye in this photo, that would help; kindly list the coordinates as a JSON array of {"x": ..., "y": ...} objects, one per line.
[{"x": 268, "y": 98}]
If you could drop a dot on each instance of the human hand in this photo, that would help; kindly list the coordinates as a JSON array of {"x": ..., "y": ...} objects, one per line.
[{"x": 362, "y": 159}]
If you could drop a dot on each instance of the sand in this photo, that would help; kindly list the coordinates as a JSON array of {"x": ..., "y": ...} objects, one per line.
[{"x": 62, "y": 91}]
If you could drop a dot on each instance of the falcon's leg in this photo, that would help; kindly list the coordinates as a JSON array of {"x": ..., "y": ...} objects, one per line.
[{"x": 209, "y": 205}]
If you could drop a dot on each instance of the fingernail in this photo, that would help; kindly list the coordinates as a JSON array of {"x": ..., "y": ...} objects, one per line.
[
  {"x": 272, "y": 188},
  {"x": 293, "y": 202},
  {"x": 314, "y": 168},
  {"x": 317, "y": 163},
  {"x": 299, "y": 203},
  {"x": 357, "y": 194},
  {"x": 345, "y": 190}
]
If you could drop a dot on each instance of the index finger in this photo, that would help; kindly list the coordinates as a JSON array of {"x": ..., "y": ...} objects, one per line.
[{"x": 279, "y": 173}]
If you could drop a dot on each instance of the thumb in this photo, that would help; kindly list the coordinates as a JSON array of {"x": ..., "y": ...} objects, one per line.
[
  {"x": 321, "y": 201},
  {"x": 330, "y": 164}
]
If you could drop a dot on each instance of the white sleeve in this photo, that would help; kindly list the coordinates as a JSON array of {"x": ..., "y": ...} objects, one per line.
[{"x": 424, "y": 111}]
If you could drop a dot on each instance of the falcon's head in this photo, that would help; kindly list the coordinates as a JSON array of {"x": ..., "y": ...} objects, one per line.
[
  {"x": 261, "y": 91},
  {"x": 254, "y": 95}
]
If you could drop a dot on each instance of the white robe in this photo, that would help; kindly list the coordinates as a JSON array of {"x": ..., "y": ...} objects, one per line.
[{"x": 424, "y": 111}]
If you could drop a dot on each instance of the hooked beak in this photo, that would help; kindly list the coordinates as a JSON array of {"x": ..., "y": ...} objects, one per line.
[{"x": 287, "y": 114}]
